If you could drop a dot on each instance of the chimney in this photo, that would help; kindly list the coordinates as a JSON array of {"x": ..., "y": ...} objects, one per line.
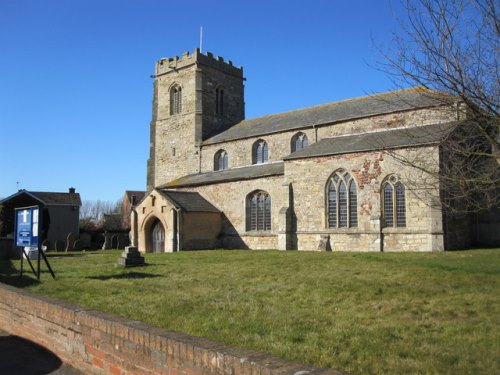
[{"x": 72, "y": 190}]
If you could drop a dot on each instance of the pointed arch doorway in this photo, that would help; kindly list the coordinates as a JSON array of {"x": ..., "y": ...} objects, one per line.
[{"x": 158, "y": 237}]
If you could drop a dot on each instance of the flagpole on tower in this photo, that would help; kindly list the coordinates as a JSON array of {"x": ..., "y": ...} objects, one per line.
[{"x": 201, "y": 38}]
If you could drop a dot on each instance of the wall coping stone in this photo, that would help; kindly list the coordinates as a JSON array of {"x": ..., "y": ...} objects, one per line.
[{"x": 97, "y": 342}]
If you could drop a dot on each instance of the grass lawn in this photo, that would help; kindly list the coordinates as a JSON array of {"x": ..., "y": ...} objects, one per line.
[{"x": 357, "y": 312}]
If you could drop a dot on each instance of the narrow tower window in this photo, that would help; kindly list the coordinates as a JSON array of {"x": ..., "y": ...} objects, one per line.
[
  {"x": 219, "y": 101},
  {"x": 175, "y": 100}
]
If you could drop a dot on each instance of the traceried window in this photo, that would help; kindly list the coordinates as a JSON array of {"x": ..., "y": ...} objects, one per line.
[
  {"x": 175, "y": 100},
  {"x": 259, "y": 152},
  {"x": 258, "y": 211},
  {"x": 342, "y": 211},
  {"x": 299, "y": 141},
  {"x": 219, "y": 101},
  {"x": 220, "y": 160},
  {"x": 393, "y": 203}
]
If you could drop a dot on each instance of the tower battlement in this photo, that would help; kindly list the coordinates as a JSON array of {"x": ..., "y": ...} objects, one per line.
[{"x": 172, "y": 64}]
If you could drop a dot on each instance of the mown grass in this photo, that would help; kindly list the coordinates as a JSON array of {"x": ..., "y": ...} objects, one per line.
[{"x": 357, "y": 312}]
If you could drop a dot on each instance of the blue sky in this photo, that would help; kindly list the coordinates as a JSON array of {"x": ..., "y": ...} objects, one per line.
[{"x": 75, "y": 86}]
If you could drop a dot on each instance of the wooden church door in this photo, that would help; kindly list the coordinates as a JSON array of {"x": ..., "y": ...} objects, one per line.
[{"x": 158, "y": 238}]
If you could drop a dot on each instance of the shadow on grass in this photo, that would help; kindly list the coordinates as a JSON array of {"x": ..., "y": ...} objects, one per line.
[
  {"x": 131, "y": 275},
  {"x": 10, "y": 275}
]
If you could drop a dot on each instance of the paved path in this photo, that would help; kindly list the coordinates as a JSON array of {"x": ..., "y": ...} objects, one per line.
[{"x": 23, "y": 357}]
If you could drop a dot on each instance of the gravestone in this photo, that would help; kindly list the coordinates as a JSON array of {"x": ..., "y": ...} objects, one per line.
[
  {"x": 131, "y": 257},
  {"x": 70, "y": 241}
]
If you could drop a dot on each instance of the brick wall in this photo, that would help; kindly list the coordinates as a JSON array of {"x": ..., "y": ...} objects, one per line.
[{"x": 99, "y": 343}]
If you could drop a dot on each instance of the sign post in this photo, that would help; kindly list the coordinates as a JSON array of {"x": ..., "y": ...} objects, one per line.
[{"x": 28, "y": 237}]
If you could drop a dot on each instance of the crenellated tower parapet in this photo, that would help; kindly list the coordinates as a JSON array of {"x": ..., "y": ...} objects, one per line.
[{"x": 173, "y": 64}]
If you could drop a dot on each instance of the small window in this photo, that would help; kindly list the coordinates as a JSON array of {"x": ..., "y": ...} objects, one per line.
[
  {"x": 342, "y": 211},
  {"x": 393, "y": 203},
  {"x": 220, "y": 160},
  {"x": 175, "y": 100},
  {"x": 219, "y": 101},
  {"x": 259, "y": 152},
  {"x": 258, "y": 211},
  {"x": 299, "y": 141}
]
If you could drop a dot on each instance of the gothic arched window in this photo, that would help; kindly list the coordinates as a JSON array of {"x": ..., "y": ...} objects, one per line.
[
  {"x": 258, "y": 211},
  {"x": 220, "y": 160},
  {"x": 393, "y": 203},
  {"x": 299, "y": 141},
  {"x": 219, "y": 101},
  {"x": 259, "y": 152},
  {"x": 342, "y": 194},
  {"x": 175, "y": 100}
]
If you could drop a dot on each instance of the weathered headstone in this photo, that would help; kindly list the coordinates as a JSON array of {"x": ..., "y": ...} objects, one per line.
[
  {"x": 70, "y": 241},
  {"x": 131, "y": 257}
]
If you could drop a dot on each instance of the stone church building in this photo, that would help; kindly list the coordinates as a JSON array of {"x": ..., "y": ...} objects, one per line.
[{"x": 319, "y": 178}]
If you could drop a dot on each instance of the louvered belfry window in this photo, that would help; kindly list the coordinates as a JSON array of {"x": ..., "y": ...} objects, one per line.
[
  {"x": 342, "y": 201},
  {"x": 175, "y": 100},
  {"x": 258, "y": 211}
]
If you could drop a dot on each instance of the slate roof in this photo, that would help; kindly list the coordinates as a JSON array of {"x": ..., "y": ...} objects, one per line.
[
  {"x": 51, "y": 198},
  {"x": 234, "y": 174},
  {"x": 388, "y": 139},
  {"x": 188, "y": 201},
  {"x": 332, "y": 112}
]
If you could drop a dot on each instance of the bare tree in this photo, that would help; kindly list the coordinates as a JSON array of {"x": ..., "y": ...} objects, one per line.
[
  {"x": 92, "y": 212},
  {"x": 450, "y": 48}
]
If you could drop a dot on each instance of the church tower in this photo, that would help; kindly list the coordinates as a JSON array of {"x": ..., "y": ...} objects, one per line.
[{"x": 195, "y": 97}]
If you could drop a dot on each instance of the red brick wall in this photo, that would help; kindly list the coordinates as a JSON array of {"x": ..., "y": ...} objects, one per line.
[{"x": 99, "y": 343}]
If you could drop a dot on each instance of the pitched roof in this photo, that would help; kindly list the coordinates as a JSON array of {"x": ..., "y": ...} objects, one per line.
[
  {"x": 234, "y": 174},
  {"x": 51, "y": 198},
  {"x": 188, "y": 201},
  {"x": 332, "y": 112},
  {"x": 389, "y": 139}
]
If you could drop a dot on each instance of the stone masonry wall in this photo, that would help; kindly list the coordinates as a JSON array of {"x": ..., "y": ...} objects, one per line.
[
  {"x": 98, "y": 343},
  {"x": 240, "y": 151},
  {"x": 230, "y": 198},
  {"x": 309, "y": 179}
]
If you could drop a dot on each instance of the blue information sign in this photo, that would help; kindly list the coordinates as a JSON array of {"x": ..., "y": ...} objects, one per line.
[{"x": 27, "y": 220}]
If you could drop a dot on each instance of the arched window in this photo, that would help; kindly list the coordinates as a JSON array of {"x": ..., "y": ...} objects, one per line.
[
  {"x": 393, "y": 203},
  {"x": 299, "y": 141},
  {"x": 258, "y": 211},
  {"x": 220, "y": 160},
  {"x": 219, "y": 101},
  {"x": 175, "y": 100},
  {"x": 259, "y": 152},
  {"x": 342, "y": 201}
]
